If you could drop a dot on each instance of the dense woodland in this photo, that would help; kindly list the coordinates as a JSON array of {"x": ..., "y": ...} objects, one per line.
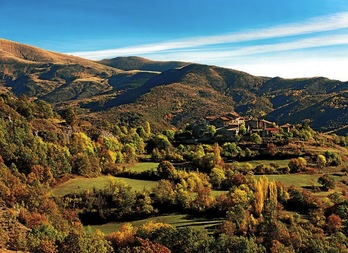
[{"x": 41, "y": 148}]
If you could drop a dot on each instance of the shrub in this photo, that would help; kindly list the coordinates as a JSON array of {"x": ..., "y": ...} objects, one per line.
[{"x": 327, "y": 182}]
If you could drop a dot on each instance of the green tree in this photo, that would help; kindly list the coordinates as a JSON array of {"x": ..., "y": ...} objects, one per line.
[
  {"x": 166, "y": 170},
  {"x": 129, "y": 153},
  {"x": 207, "y": 162},
  {"x": 123, "y": 198},
  {"x": 255, "y": 138},
  {"x": 70, "y": 116},
  {"x": 44, "y": 109},
  {"x": 164, "y": 193},
  {"x": 230, "y": 149},
  {"x": 327, "y": 182},
  {"x": 242, "y": 129},
  {"x": 217, "y": 177},
  {"x": 85, "y": 242}
]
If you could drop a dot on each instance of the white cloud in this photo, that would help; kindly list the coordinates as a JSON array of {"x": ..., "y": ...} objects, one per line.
[
  {"x": 294, "y": 41},
  {"x": 219, "y": 54},
  {"x": 322, "y": 24}
]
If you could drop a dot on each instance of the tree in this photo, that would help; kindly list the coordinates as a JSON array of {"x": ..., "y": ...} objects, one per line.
[
  {"x": 164, "y": 193},
  {"x": 230, "y": 149},
  {"x": 166, "y": 170},
  {"x": 217, "y": 155},
  {"x": 123, "y": 198},
  {"x": 327, "y": 182},
  {"x": 321, "y": 161},
  {"x": 242, "y": 129},
  {"x": 334, "y": 223},
  {"x": 44, "y": 109},
  {"x": 83, "y": 164},
  {"x": 297, "y": 164},
  {"x": 146, "y": 246},
  {"x": 147, "y": 128},
  {"x": 272, "y": 149},
  {"x": 85, "y": 242},
  {"x": 204, "y": 199},
  {"x": 129, "y": 153},
  {"x": 217, "y": 177},
  {"x": 70, "y": 115},
  {"x": 255, "y": 138}
]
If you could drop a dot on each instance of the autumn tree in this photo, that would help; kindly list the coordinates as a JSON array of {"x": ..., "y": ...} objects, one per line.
[
  {"x": 164, "y": 193},
  {"x": 297, "y": 164},
  {"x": 260, "y": 194},
  {"x": 166, "y": 170},
  {"x": 217, "y": 177},
  {"x": 272, "y": 149},
  {"x": 204, "y": 200},
  {"x": 334, "y": 223},
  {"x": 321, "y": 161}
]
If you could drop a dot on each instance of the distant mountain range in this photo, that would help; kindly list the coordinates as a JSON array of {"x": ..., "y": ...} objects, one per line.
[{"x": 132, "y": 89}]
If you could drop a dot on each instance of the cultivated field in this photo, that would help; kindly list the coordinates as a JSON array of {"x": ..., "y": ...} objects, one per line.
[{"x": 177, "y": 220}]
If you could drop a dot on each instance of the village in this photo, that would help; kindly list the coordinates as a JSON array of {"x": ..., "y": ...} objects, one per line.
[
  {"x": 230, "y": 124},
  {"x": 232, "y": 127}
]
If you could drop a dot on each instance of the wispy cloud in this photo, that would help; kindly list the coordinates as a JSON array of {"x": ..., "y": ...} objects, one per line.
[
  {"x": 303, "y": 49},
  {"x": 313, "y": 26},
  {"x": 220, "y": 53}
]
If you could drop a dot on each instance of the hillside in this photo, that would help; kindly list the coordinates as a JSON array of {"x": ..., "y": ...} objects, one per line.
[
  {"x": 134, "y": 62},
  {"x": 61, "y": 177},
  {"x": 34, "y": 72},
  {"x": 130, "y": 89}
]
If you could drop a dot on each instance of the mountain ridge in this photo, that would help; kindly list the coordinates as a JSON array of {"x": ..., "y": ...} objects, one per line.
[
  {"x": 139, "y": 63},
  {"x": 169, "y": 93}
]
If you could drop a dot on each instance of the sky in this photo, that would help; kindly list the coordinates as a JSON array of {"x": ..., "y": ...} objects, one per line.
[{"x": 286, "y": 38}]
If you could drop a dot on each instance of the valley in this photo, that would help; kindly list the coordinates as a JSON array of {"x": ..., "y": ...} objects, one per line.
[
  {"x": 133, "y": 155},
  {"x": 168, "y": 93}
]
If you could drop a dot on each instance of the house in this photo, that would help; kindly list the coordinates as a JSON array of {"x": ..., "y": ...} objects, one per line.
[
  {"x": 210, "y": 119},
  {"x": 266, "y": 124},
  {"x": 225, "y": 120},
  {"x": 229, "y": 131},
  {"x": 251, "y": 124},
  {"x": 287, "y": 128},
  {"x": 270, "y": 131}
]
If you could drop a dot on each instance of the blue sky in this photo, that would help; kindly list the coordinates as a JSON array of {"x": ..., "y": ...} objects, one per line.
[{"x": 297, "y": 38}]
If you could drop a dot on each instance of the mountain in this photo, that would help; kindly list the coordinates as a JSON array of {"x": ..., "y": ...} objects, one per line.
[
  {"x": 30, "y": 71},
  {"x": 133, "y": 89},
  {"x": 139, "y": 63}
]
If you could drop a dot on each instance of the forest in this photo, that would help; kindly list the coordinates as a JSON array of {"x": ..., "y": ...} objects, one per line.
[{"x": 244, "y": 184}]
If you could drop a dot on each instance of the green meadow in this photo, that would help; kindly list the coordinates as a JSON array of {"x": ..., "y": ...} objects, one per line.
[{"x": 177, "y": 220}]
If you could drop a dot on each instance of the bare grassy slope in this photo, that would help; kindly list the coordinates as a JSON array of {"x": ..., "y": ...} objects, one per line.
[
  {"x": 169, "y": 92},
  {"x": 34, "y": 72},
  {"x": 134, "y": 62}
]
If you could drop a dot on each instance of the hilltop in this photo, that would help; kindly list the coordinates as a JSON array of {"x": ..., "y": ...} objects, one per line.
[
  {"x": 134, "y": 89},
  {"x": 54, "y": 77},
  {"x": 139, "y": 63}
]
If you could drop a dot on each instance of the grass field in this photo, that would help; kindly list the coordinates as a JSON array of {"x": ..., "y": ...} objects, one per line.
[
  {"x": 80, "y": 184},
  {"x": 299, "y": 180},
  {"x": 177, "y": 220},
  {"x": 307, "y": 181},
  {"x": 254, "y": 163},
  {"x": 140, "y": 167}
]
